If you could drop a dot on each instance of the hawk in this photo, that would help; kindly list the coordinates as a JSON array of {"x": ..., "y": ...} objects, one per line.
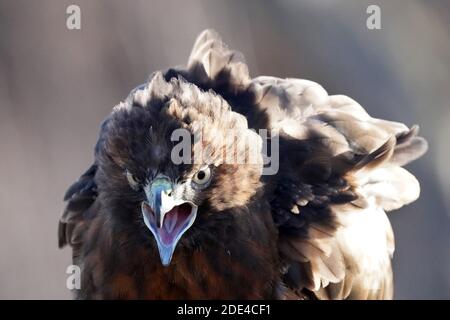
[{"x": 144, "y": 225}]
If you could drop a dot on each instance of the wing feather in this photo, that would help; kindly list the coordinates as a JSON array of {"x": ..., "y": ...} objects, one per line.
[
  {"x": 340, "y": 171},
  {"x": 81, "y": 207}
]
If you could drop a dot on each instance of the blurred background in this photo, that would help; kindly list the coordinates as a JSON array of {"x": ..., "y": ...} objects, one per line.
[{"x": 56, "y": 86}]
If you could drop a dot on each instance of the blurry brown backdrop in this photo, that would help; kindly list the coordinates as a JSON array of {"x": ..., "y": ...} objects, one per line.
[{"x": 57, "y": 85}]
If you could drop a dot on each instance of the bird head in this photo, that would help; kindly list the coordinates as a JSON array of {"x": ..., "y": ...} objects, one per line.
[{"x": 175, "y": 158}]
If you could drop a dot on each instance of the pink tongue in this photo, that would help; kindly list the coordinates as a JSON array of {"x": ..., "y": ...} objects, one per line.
[
  {"x": 174, "y": 222},
  {"x": 170, "y": 221}
]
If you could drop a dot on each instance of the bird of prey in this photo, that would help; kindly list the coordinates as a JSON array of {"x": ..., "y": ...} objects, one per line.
[{"x": 143, "y": 226}]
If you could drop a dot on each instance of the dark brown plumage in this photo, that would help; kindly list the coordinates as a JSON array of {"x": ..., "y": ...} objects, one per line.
[{"x": 315, "y": 229}]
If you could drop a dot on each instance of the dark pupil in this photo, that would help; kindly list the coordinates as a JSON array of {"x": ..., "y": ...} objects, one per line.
[{"x": 201, "y": 175}]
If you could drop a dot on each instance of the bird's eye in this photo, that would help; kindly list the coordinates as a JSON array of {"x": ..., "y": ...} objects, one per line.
[
  {"x": 132, "y": 180},
  {"x": 202, "y": 176}
]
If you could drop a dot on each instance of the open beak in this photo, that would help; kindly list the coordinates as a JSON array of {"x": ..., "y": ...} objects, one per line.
[{"x": 166, "y": 217}]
